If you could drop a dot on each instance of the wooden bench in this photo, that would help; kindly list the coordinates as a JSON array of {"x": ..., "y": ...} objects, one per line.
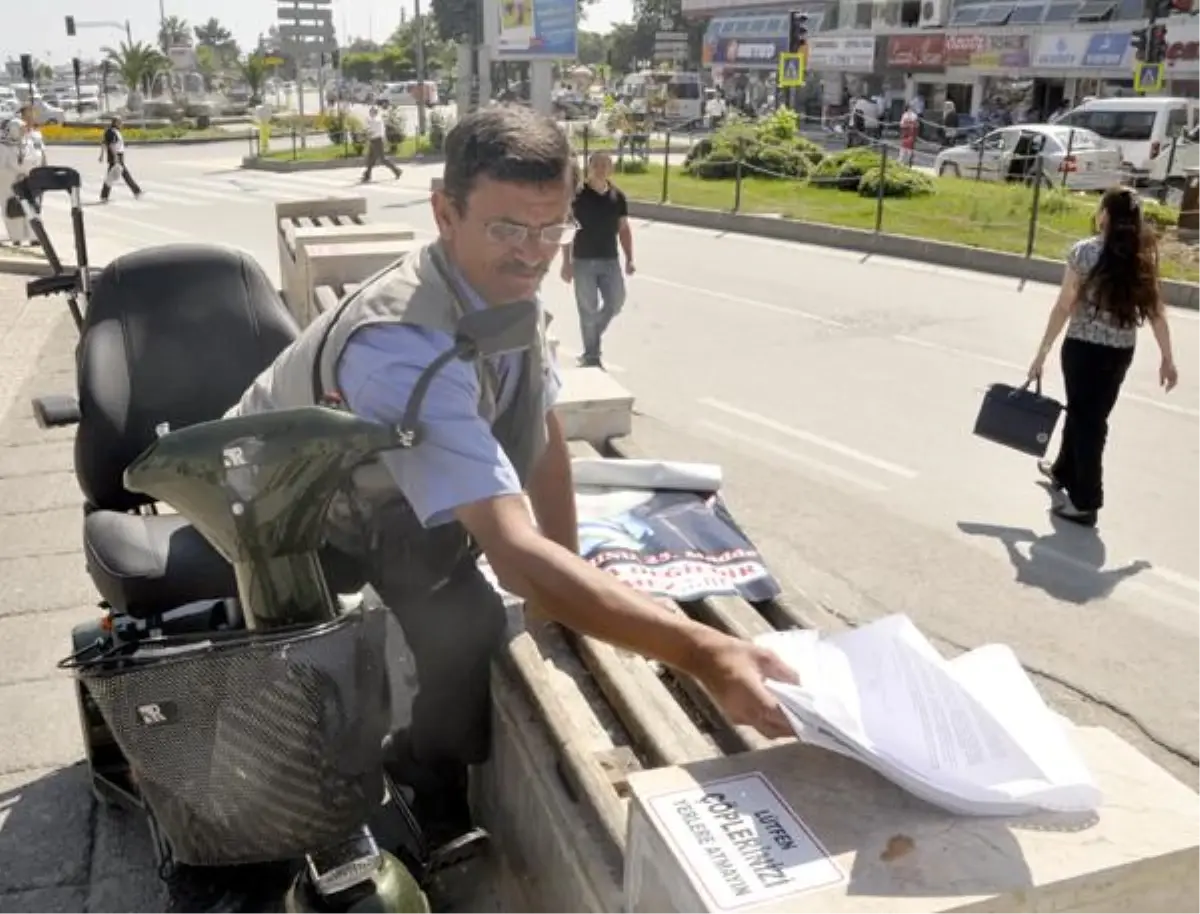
[
  {"x": 324, "y": 212},
  {"x": 340, "y": 263}
]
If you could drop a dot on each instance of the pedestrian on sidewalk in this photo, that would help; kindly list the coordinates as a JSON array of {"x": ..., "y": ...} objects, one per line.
[
  {"x": 909, "y": 125},
  {"x": 592, "y": 261},
  {"x": 113, "y": 151},
  {"x": 1111, "y": 287},
  {"x": 376, "y": 138}
]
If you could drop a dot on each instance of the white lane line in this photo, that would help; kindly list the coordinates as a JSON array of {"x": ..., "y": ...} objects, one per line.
[
  {"x": 774, "y": 449},
  {"x": 740, "y": 300},
  {"x": 1004, "y": 363},
  {"x": 1174, "y": 577},
  {"x": 845, "y": 451}
]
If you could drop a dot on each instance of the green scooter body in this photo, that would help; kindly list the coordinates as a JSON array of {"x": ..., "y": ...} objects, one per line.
[{"x": 258, "y": 488}]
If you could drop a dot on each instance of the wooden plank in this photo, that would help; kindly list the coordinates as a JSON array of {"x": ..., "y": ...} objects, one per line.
[{"x": 653, "y": 716}]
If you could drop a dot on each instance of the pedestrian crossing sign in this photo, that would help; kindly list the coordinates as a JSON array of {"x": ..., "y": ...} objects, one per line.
[
  {"x": 791, "y": 70},
  {"x": 1148, "y": 77}
]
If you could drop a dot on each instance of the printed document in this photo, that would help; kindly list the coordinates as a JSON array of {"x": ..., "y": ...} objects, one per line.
[{"x": 971, "y": 735}]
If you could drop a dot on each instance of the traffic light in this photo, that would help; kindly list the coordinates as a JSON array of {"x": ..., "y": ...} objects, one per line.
[
  {"x": 27, "y": 67},
  {"x": 1157, "y": 50},
  {"x": 323, "y": 60},
  {"x": 797, "y": 31},
  {"x": 77, "y": 67},
  {"x": 70, "y": 26}
]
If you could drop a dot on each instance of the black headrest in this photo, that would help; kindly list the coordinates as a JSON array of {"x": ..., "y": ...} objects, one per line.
[{"x": 172, "y": 334}]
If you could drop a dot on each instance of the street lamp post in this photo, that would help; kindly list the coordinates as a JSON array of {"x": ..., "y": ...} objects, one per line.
[{"x": 420, "y": 37}]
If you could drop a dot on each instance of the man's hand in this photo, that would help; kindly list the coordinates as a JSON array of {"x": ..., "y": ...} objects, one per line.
[
  {"x": 732, "y": 672},
  {"x": 629, "y": 268},
  {"x": 568, "y": 272}
]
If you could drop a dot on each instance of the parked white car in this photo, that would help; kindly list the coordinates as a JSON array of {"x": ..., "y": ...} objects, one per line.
[
  {"x": 46, "y": 113},
  {"x": 1069, "y": 157}
]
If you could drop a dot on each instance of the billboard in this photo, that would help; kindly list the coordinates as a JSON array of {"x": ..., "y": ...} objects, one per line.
[
  {"x": 917, "y": 52},
  {"x": 532, "y": 29},
  {"x": 987, "y": 52}
]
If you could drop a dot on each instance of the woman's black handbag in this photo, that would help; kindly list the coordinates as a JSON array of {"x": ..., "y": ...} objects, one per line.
[{"x": 1018, "y": 417}]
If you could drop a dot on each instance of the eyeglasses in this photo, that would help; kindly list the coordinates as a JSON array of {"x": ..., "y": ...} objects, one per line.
[{"x": 514, "y": 234}]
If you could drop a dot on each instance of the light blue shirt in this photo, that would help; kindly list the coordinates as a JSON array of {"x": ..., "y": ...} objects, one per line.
[{"x": 459, "y": 460}]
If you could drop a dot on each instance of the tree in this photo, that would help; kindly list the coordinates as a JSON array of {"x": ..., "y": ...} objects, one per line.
[
  {"x": 219, "y": 41},
  {"x": 137, "y": 63},
  {"x": 174, "y": 33},
  {"x": 253, "y": 69}
]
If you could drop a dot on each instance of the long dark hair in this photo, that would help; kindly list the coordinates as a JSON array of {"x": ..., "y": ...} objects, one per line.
[{"x": 1124, "y": 281}]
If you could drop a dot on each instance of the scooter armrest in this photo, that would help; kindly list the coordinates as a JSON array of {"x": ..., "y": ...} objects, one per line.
[{"x": 56, "y": 411}]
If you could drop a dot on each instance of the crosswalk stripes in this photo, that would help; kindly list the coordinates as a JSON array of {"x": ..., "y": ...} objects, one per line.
[{"x": 246, "y": 189}]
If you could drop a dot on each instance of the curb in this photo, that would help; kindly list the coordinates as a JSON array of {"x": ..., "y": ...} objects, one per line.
[
  {"x": 20, "y": 265},
  {"x": 182, "y": 141},
  {"x": 285, "y": 166},
  {"x": 943, "y": 254}
]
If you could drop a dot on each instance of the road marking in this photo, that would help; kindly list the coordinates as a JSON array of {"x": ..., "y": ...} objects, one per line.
[
  {"x": 842, "y": 449},
  {"x": 740, "y": 300},
  {"x": 772, "y": 448},
  {"x": 1004, "y": 363},
  {"x": 1174, "y": 577}
]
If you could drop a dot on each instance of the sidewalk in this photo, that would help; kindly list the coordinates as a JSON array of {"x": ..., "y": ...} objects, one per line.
[{"x": 59, "y": 851}]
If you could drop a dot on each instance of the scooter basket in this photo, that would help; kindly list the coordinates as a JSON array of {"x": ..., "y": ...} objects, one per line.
[{"x": 254, "y": 747}]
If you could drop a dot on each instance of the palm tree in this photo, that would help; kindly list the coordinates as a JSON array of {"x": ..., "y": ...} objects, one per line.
[
  {"x": 174, "y": 33},
  {"x": 212, "y": 34},
  {"x": 137, "y": 64},
  {"x": 253, "y": 69}
]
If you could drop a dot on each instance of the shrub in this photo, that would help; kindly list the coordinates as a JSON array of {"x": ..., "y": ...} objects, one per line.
[
  {"x": 898, "y": 181},
  {"x": 437, "y": 131},
  {"x": 844, "y": 170},
  {"x": 394, "y": 127},
  {"x": 1159, "y": 216},
  {"x": 769, "y": 148},
  {"x": 633, "y": 165}
]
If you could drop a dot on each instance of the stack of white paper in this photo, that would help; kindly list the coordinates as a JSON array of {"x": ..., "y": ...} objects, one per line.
[{"x": 970, "y": 735}]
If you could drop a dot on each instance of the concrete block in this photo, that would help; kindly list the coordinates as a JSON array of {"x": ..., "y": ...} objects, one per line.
[
  {"x": 298, "y": 238},
  {"x": 343, "y": 264},
  {"x": 50, "y": 491},
  {"x": 37, "y": 459},
  {"x": 593, "y": 407},
  {"x": 739, "y": 832},
  {"x": 41, "y": 725},
  {"x": 53, "y": 531},
  {"x": 37, "y": 583},
  {"x": 38, "y": 657},
  {"x": 330, "y": 211}
]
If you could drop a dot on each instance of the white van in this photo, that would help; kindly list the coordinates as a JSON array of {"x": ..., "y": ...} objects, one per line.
[
  {"x": 673, "y": 97},
  {"x": 1142, "y": 128}
]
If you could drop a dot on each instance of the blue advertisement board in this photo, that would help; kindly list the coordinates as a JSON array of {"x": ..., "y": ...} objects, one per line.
[
  {"x": 534, "y": 29},
  {"x": 1107, "y": 49}
]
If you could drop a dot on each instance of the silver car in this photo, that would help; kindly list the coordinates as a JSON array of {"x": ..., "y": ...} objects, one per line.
[{"x": 1062, "y": 156}]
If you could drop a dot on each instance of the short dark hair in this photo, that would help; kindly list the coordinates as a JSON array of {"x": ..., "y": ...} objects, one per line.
[{"x": 505, "y": 143}]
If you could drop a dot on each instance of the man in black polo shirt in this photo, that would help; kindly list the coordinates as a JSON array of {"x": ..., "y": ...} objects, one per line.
[
  {"x": 113, "y": 151},
  {"x": 592, "y": 260}
]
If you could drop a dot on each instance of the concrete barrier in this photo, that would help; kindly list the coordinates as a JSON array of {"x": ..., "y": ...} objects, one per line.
[
  {"x": 296, "y": 214},
  {"x": 337, "y": 265},
  {"x": 998, "y": 263},
  {"x": 878, "y": 849}
]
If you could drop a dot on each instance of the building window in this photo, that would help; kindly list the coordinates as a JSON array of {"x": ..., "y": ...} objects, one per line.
[
  {"x": 967, "y": 15},
  {"x": 1096, "y": 11},
  {"x": 910, "y": 13},
  {"x": 1028, "y": 14},
  {"x": 996, "y": 14},
  {"x": 864, "y": 13},
  {"x": 1061, "y": 12}
]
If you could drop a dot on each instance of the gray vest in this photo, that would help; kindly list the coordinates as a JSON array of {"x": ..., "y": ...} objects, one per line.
[{"x": 417, "y": 290}]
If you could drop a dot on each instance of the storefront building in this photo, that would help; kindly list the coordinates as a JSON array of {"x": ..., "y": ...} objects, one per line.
[{"x": 1027, "y": 55}]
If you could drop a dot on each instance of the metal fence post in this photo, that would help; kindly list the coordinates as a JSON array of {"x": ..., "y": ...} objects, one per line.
[
  {"x": 883, "y": 161},
  {"x": 293, "y": 142},
  {"x": 737, "y": 177},
  {"x": 1033, "y": 212},
  {"x": 666, "y": 177},
  {"x": 979, "y": 160},
  {"x": 587, "y": 136},
  {"x": 1070, "y": 146},
  {"x": 1166, "y": 187}
]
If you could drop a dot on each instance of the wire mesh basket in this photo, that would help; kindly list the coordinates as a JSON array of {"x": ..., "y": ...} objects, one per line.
[{"x": 256, "y": 747}]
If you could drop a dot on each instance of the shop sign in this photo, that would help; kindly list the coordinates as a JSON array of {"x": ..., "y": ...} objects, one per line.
[
  {"x": 1183, "y": 48},
  {"x": 758, "y": 52},
  {"x": 1078, "y": 51},
  {"x": 987, "y": 52},
  {"x": 917, "y": 52},
  {"x": 855, "y": 55}
]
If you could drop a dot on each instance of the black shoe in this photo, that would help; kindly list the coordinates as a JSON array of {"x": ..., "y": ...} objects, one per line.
[
  {"x": 1069, "y": 512},
  {"x": 588, "y": 361}
]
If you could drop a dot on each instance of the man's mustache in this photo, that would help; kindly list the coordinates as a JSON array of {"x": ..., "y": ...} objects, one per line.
[{"x": 524, "y": 270}]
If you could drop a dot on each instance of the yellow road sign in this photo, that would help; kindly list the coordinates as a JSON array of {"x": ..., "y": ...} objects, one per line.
[
  {"x": 1148, "y": 77},
  {"x": 791, "y": 69}
]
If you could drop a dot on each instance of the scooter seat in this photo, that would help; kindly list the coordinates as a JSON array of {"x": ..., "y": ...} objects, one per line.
[{"x": 146, "y": 564}]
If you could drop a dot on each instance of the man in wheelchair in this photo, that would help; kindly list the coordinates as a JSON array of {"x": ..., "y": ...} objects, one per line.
[{"x": 413, "y": 522}]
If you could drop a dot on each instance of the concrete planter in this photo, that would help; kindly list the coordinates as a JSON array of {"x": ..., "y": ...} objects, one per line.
[{"x": 957, "y": 256}]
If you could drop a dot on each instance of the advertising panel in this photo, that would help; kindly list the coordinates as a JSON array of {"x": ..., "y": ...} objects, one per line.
[
  {"x": 987, "y": 52},
  {"x": 917, "y": 52},
  {"x": 1183, "y": 47},
  {"x": 855, "y": 55},
  {"x": 533, "y": 29},
  {"x": 1080, "y": 51}
]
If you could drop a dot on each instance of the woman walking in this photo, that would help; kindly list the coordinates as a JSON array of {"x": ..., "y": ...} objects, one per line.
[{"x": 1110, "y": 289}]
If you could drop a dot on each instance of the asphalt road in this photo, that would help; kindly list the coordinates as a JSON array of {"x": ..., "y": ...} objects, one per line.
[{"x": 839, "y": 392}]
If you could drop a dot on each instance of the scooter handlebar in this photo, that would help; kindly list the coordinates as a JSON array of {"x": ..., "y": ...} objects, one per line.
[{"x": 46, "y": 178}]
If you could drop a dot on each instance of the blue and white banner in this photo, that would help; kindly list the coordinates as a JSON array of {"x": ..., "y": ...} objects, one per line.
[
  {"x": 532, "y": 29},
  {"x": 1083, "y": 51}
]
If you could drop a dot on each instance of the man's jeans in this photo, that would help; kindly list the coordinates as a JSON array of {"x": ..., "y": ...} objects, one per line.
[{"x": 599, "y": 295}]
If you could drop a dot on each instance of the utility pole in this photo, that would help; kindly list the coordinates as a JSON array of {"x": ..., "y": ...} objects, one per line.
[{"x": 420, "y": 38}]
